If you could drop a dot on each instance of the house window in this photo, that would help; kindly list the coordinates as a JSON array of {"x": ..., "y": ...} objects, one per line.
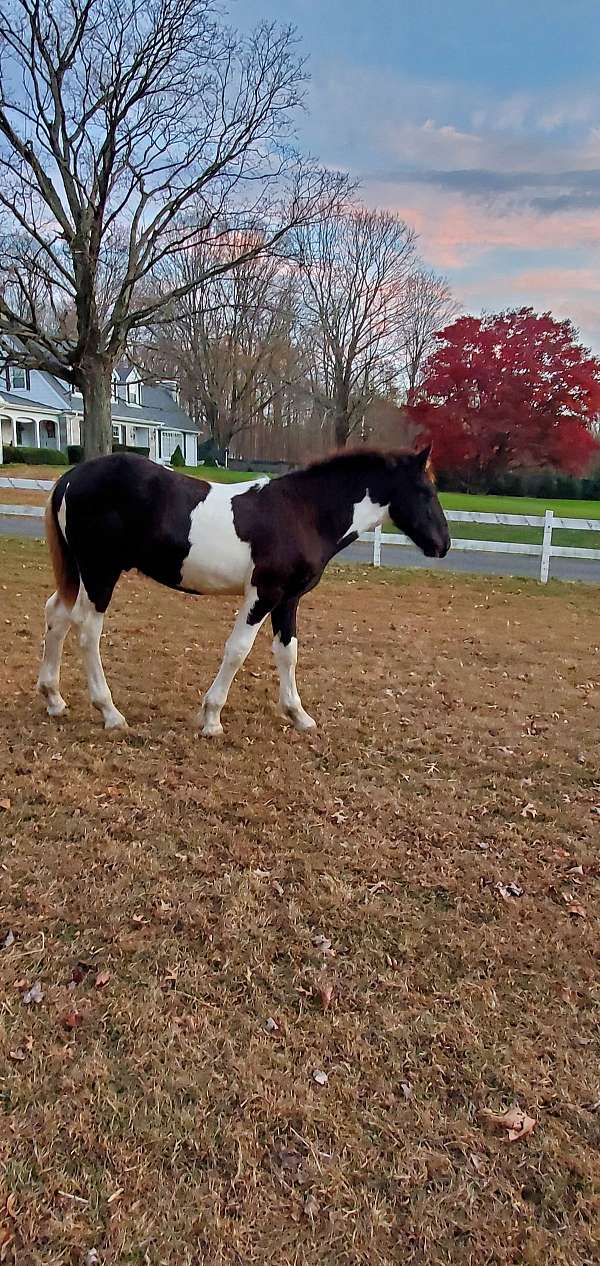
[
  {"x": 17, "y": 379},
  {"x": 118, "y": 434},
  {"x": 133, "y": 393},
  {"x": 169, "y": 442}
]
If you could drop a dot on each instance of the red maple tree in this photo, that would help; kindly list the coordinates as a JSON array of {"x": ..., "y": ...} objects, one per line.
[{"x": 508, "y": 391}]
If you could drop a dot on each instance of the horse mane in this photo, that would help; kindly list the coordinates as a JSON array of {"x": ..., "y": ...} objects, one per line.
[{"x": 359, "y": 456}]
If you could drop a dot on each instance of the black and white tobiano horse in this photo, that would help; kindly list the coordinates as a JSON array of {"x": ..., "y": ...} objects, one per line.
[{"x": 267, "y": 540}]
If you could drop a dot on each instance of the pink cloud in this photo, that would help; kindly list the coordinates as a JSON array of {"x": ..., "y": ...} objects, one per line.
[{"x": 455, "y": 232}]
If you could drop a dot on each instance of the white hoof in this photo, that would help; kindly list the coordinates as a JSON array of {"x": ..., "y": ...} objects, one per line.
[
  {"x": 299, "y": 718},
  {"x": 212, "y": 729},
  {"x": 55, "y": 704},
  {"x": 57, "y": 708},
  {"x": 115, "y": 721}
]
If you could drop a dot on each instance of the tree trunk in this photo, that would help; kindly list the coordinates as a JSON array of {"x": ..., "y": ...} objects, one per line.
[
  {"x": 97, "y": 418},
  {"x": 341, "y": 423}
]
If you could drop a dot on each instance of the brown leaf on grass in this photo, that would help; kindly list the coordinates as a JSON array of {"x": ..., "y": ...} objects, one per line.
[
  {"x": 72, "y": 1018},
  {"x": 6, "y": 804},
  {"x": 518, "y": 1123},
  {"x": 324, "y": 991},
  {"x": 320, "y": 1077},
  {"x": 18, "y": 1055},
  {"x": 406, "y": 1089},
  {"x": 289, "y": 1159},
  {"x": 574, "y": 908},
  {"x": 80, "y": 971},
  {"x": 529, "y": 811},
  {"x": 8, "y": 940},
  {"x": 102, "y": 979}
]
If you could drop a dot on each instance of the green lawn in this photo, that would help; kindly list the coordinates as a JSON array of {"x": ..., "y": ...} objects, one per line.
[
  {"x": 217, "y": 474},
  {"x": 523, "y": 505}
]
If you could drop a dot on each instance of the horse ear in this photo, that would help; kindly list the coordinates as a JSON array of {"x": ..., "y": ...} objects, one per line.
[{"x": 423, "y": 457}]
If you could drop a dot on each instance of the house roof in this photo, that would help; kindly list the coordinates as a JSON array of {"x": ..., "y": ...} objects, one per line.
[{"x": 50, "y": 395}]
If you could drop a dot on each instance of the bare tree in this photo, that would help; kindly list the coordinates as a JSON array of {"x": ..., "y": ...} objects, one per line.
[
  {"x": 429, "y": 307},
  {"x": 229, "y": 334},
  {"x": 354, "y": 265},
  {"x": 130, "y": 129}
]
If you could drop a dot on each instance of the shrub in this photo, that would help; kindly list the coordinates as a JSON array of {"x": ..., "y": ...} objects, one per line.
[
  {"x": 177, "y": 458},
  {"x": 34, "y": 456},
  {"x": 131, "y": 448},
  {"x": 75, "y": 454}
]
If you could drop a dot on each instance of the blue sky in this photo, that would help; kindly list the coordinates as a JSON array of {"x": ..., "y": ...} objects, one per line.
[{"x": 479, "y": 121}]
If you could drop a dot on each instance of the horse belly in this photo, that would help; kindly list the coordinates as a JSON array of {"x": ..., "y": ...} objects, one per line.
[{"x": 217, "y": 564}]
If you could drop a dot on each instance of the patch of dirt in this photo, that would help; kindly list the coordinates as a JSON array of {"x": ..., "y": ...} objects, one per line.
[{"x": 283, "y": 978}]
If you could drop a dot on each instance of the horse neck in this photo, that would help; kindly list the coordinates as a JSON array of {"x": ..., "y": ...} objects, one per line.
[{"x": 344, "y": 497}]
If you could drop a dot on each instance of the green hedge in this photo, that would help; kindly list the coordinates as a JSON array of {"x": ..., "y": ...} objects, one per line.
[
  {"x": 131, "y": 448},
  {"x": 19, "y": 453},
  {"x": 526, "y": 483}
]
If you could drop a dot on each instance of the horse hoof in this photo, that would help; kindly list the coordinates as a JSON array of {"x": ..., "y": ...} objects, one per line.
[
  {"x": 305, "y": 725},
  {"x": 115, "y": 722},
  {"x": 212, "y": 730},
  {"x": 56, "y": 709}
]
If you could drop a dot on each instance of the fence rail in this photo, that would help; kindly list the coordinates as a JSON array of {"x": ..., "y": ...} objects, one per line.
[{"x": 545, "y": 551}]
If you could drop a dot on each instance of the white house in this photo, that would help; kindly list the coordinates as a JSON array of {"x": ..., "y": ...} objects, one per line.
[{"x": 40, "y": 411}]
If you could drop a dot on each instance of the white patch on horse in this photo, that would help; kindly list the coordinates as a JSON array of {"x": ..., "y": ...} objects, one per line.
[
  {"x": 366, "y": 515},
  {"x": 237, "y": 648},
  {"x": 62, "y": 514},
  {"x": 290, "y": 703},
  {"x": 218, "y": 561},
  {"x": 89, "y": 622}
]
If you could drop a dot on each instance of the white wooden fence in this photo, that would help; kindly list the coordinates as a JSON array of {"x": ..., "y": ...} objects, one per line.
[
  {"x": 545, "y": 550},
  {"x": 549, "y": 522}
]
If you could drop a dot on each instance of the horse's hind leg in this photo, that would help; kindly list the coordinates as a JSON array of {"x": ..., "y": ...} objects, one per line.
[
  {"x": 285, "y": 650},
  {"x": 58, "y": 623},
  {"x": 89, "y": 622}
]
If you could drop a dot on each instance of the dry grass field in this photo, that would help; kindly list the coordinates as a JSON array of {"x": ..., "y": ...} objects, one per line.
[{"x": 280, "y": 980}]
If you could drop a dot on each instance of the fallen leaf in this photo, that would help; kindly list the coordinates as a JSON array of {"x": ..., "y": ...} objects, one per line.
[
  {"x": 9, "y": 940},
  {"x": 5, "y": 804},
  {"x": 72, "y": 1018},
  {"x": 529, "y": 811},
  {"x": 33, "y": 995},
  {"x": 290, "y": 1159},
  {"x": 574, "y": 907},
  {"x": 12, "y": 1205},
  {"x": 518, "y": 1123},
  {"x": 324, "y": 991},
  {"x": 322, "y": 942},
  {"x": 509, "y": 890},
  {"x": 477, "y": 1161},
  {"x": 91, "y": 1258},
  {"x": 102, "y": 979},
  {"x": 18, "y": 1055},
  {"x": 79, "y": 972},
  {"x": 271, "y": 1025},
  {"x": 320, "y": 1077},
  {"x": 311, "y": 1206},
  {"x": 406, "y": 1089}
]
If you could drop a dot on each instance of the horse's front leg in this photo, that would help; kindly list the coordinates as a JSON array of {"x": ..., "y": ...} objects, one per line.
[
  {"x": 252, "y": 614},
  {"x": 285, "y": 650}
]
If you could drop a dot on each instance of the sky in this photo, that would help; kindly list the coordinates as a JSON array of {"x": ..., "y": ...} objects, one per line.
[{"x": 479, "y": 122}]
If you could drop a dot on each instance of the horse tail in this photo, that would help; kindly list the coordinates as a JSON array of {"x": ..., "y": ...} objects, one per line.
[{"x": 64, "y": 566}]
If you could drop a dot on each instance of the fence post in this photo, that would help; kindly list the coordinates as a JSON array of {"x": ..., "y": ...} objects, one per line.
[
  {"x": 377, "y": 547},
  {"x": 546, "y": 546}
]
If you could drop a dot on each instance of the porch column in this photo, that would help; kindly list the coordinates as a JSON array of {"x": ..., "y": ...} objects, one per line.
[
  {"x": 36, "y": 422},
  {"x": 14, "y": 431}
]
